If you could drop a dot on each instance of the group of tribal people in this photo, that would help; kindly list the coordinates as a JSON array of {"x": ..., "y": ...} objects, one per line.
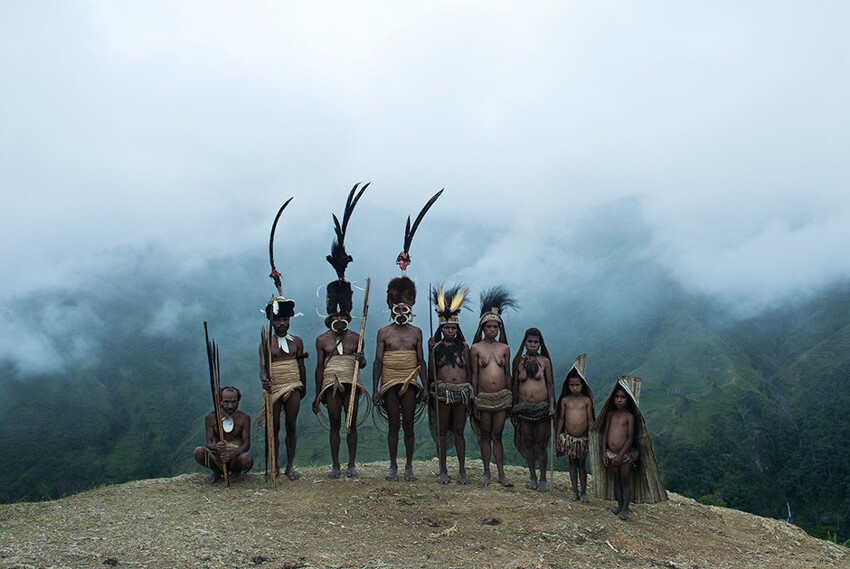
[{"x": 456, "y": 381}]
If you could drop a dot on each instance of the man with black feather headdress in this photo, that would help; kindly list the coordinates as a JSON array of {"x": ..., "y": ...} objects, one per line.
[
  {"x": 336, "y": 349},
  {"x": 449, "y": 368},
  {"x": 491, "y": 381},
  {"x": 399, "y": 359}
]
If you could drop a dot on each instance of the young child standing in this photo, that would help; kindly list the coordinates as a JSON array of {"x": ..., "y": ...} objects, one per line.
[
  {"x": 575, "y": 417},
  {"x": 619, "y": 454},
  {"x": 624, "y": 467}
]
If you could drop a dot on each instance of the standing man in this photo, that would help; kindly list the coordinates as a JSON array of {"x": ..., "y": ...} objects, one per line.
[
  {"x": 233, "y": 450},
  {"x": 337, "y": 349},
  {"x": 399, "y": 359},
  {"x": 286, "y": 379}
]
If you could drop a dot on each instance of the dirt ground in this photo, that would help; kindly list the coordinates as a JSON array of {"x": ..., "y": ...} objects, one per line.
[{"x": 370, "y": 522}]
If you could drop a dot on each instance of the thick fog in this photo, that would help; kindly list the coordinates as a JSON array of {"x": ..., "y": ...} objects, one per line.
[{"x": 592, "y": 153}]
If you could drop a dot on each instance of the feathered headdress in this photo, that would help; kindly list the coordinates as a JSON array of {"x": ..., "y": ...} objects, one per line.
[
  {"x": 449, "y": 302},
  {"x": 339, "y": 293},
  {"x": 494, "y": 301},
  {"x": 278, "y": 305},
  {"x": 401, "y": 291}
]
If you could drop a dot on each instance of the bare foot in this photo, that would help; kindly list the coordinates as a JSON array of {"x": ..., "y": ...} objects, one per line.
[
  {"x": 532, "y": 484},
  {"x": 616, "y": 509},
  {"x": 624, "y": 514},
  {"x": 213, "y": 476},
  {"x": 352, "y": 472},
  {"x": 392, "y": 473},
  {"x": 333, "y": 472},
  {"x": 235, "y": 476},
  {"x": 292, "y": 474},
  {"x": 485, "y": 480},
  {"x": 444, "y": 478},
  {"x": 574, "y": 496},
  {"x": 505, "y": 481},
  {"x": 543, "y": 486},
  {"x": 462, "y": 477},
  {"x": 584, "y": 496},
  {"x": 408, "y": 474}
]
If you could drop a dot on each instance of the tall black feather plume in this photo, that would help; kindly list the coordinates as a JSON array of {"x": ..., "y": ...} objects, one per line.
[
  {"x": 410, "y": 231},
  {"x": 497, "y": 297},
  {"x": 338, "y": 258}
]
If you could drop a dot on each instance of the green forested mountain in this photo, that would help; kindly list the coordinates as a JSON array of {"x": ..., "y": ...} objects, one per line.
[{"x": 743, "y": 412}]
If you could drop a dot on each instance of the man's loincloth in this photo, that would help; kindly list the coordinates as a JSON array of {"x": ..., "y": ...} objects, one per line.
[
  {"x": 399, "y": 367},
  {"x": 286, "y": 378},
  {"x": 339, "y": 371},
  {"x": 451, "y": 393},
  {"x": 573, "y": 447},
  {"x": 531, "y": 411},
  {"x": 229, "y": 445},
  {"x": 496, "y": 401},
  {"x": 630, "y": 456}
]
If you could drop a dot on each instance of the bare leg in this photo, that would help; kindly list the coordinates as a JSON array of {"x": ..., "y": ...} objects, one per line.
[
  {"x": 445, "y": 416},
  {"x": 202, "y": 458},
  {"x": 334, "y": 405},
  {"x": 241, "y": 465},
  {"x": 527, "y": 443},
  {"x": 292, "y": 406},
  {"x": 574, "y": 466},
  {"x": 541, "y": 431},
  {"x": 498, "y": 450},
  {"x": 393, "y": 407},
  {"x": 351, "y": 440},
  {"x": 618, "y": 489},
  {"x": 484, "y": 443},
  {"x": 408, "y": 415},
  {"x": 276, "y": 410},
  {"x": 458, "y": 415},
  {"x": 626, "y": 492}
]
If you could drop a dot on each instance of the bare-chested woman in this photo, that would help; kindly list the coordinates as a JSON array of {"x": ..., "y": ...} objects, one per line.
[
  {"x": 491, "y": 381},
  {"x": 534, "y": 405},
  {"x": 450, "y": 369}
]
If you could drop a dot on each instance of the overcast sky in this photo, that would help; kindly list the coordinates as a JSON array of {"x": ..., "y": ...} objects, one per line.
[{"x": 724, "y": 127}]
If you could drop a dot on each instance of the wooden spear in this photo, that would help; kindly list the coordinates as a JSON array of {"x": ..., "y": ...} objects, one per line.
[
  {"x": 215, "y": 369},
  {"x": 271, "y": 448},
  {"x": 433, "y": 376},
  {"x": 353, "y": 395}
]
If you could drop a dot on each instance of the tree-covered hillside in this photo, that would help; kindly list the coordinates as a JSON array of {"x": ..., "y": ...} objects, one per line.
[{"x": 745, "y": 413}]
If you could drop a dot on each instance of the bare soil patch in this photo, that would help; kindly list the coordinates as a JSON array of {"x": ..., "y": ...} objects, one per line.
[{"x": 371, "y": 522}]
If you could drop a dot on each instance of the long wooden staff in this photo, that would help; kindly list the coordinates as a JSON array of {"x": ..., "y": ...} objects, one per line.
[
  {"x": 433, "y": 375},
  {"x": 552, "y": 452},
  {"x": 215, "y": 368},
  {"x": 271, "y": 449},
  {"x": 353, "y": 396}
]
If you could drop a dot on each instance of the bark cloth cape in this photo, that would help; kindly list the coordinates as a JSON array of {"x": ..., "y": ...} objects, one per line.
[
  {"x": 566, "y": 444},
  {"x": 339, "y": 367},
  {"x": 284, "y": 374},
  {"x": 645, "y": 479},
  {"x": 523, "y": 411},
  {"x": 494, "y": 301},
  {"x": 401, "y": 367},
  {"x": 448, "y": 302}
]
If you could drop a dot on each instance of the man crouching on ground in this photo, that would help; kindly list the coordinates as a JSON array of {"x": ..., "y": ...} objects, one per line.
[{"x": 233, "y": 450}]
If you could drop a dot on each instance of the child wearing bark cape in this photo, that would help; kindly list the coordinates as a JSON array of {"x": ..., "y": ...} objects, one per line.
[{"x": 621, "y": 454}]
